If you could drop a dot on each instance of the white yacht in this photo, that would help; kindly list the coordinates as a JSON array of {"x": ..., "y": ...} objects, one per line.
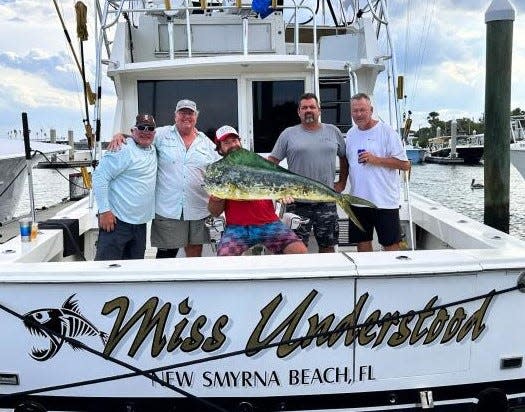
[
  {"x": 13, "y": 172},
  {"x": 438, "y": 327}
]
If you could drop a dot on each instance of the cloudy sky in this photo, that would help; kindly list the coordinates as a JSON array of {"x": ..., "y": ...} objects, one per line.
[{"x": 444, "y": 41}]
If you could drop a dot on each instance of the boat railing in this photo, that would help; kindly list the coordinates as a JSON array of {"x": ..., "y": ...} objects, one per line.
[
  {"x": 517, "y": 130},
  {"x": 186, "y": 10}
]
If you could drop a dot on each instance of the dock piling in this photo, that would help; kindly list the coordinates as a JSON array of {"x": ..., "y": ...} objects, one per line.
[{"x": 499, "y": 18}]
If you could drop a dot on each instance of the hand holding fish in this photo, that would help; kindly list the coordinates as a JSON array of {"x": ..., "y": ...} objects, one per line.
[
  {"x": 107, "y": 221},
  {"x": 286, "y": 200},
  {"x": 339, "y": 186},
  {"x": 216, "y": 205}
]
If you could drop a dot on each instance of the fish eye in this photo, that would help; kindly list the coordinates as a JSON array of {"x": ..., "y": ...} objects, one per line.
[{"x": 40, "y": 316}]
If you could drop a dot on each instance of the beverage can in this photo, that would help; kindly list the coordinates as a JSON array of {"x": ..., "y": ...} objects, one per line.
[
  {"x": 25, "y": 229},
  {"x": 34, "y": 231},
  {"x": 359, "y": 151}
]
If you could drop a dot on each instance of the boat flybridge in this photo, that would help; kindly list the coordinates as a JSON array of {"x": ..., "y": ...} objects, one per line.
[{"x": 429, "y": 328}]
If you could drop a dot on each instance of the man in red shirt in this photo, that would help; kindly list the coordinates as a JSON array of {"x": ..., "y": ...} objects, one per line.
[{"x": 249, "y": 222}]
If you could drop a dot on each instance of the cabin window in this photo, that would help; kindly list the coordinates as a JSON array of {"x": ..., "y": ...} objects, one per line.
[
  {"x": 216, "y": 100},
  {"x": 335, "y": 102},
  {"x": 274, "y": 109}
]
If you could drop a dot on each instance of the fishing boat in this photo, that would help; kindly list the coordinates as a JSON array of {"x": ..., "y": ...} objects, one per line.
[
  {"x": 13, "y": 171},
  {"x": 415, "y": 154},
  {"x": 467, "y": 149},
  {"x": 430, "y": 328}
]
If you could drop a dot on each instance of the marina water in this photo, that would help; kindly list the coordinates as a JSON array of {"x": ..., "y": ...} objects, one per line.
[{"x": 446, "y": 184}]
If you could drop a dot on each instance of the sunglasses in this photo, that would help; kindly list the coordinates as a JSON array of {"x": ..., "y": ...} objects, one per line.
[{"x": 143, "y": 128}]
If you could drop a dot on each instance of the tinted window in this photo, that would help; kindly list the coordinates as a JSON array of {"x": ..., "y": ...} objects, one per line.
[
  {"x": 335, "y": 98},
  {"x": 216, "y": 101},
  {"x": 274, "y": 109}
]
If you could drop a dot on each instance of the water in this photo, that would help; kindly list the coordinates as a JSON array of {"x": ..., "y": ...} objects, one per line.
[
  {"x": 446, "y": 184},
  {"x": 50, "y": 187},
  {"x": 450, "y": 186}
]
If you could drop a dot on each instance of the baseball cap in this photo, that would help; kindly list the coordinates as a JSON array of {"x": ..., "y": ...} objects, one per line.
[
  {"x": 146, "y": 119},
  {"x": 186, "y": 104},
  {"x": 223, "y": 132}
]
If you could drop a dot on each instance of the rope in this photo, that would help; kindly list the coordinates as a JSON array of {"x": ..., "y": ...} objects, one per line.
[
  {"x": 149, "y": 373},
  {"x": 58, "y": 171}
]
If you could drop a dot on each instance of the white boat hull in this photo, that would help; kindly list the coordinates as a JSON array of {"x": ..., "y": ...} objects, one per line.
[
  {"x": 12, "y": 179},
  {"x": 12, "y": 171},
  {"x": 201, "y": 325},
  {"x": 517, "y": 156}
]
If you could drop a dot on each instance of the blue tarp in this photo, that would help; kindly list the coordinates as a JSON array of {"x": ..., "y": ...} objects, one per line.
[{"x": 262, "y": 7}]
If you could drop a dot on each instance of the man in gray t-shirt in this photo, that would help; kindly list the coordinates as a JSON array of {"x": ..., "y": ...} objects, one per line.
[{"x": 310, "y": 149}]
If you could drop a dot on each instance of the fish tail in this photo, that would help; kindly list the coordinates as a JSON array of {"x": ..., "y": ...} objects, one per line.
[{"x": 346, "y": 201}]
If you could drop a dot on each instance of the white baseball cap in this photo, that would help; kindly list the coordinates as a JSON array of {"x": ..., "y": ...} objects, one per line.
[{"x": 223, "y": 132}]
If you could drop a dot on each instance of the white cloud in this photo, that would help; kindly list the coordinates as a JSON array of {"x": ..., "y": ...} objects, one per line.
[{"x": 33, "y": 91}]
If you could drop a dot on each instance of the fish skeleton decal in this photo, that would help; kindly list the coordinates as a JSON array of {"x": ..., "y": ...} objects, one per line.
[
  {"x": 244, "y": 175},
  {"x": 66, "y": 321}
]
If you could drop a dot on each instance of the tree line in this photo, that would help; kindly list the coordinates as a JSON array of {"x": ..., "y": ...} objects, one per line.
[{"x": 464, "y": 125}]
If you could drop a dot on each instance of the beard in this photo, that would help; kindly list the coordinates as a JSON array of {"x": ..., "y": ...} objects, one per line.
[{"x": 309, "y": 118}]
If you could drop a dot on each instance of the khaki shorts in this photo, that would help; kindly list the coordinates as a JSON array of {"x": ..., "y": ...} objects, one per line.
[{"x": 169, "y": 233}]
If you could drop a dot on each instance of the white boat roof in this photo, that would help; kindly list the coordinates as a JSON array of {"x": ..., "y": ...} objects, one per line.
[{"x": 10, "y": 148}]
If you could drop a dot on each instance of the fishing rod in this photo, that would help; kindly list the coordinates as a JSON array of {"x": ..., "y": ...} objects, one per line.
[{"x": 82, "y": 34}]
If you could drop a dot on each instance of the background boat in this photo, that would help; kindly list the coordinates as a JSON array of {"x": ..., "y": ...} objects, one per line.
[
  {"x": 13, "y": 172},
  {"x": 517, "y": 147},
  {"x": 468, "y": 148}
]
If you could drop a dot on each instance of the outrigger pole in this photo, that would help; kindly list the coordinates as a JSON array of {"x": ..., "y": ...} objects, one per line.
[
  {"x": 29, "y": 167},
  {"x": 82, "y": 34}
]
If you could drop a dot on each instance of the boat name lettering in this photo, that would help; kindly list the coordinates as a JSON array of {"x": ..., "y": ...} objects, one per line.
[
  {"x": 156, "y": 321},
  {"x": 376, "y": 329},
  {"x": 394, "y": 329}
]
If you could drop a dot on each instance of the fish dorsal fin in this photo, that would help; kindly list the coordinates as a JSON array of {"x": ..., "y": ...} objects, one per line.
[
  {"x": 246, "y": 157},
  {"x": 71, "y": 304}
]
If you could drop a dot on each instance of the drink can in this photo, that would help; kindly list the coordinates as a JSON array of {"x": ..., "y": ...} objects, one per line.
[
  {"x": 359, "y": 151},
  {"x": 25, "y": 229},
  {"x": 34, "y": 231}
]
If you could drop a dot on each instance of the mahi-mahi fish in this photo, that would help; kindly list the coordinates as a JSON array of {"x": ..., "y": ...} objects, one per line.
[
  {"x": 65, "y": 321},
  {"x": 244, "y": 175}
]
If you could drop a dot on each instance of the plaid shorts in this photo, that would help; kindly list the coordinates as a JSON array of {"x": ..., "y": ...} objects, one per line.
[{"x": 237, "y": 239}]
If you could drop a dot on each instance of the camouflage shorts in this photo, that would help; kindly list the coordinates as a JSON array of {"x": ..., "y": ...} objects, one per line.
[{"x": 323, "y": 218}]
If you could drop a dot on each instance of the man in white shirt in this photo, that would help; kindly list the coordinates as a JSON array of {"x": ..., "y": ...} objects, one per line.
[
  {"x": 375, "y": 154},
  {"x": 181, "y": 205}
]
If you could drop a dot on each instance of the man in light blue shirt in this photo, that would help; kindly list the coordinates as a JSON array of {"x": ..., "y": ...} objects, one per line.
[
  {"x": 181, "y": 206},
  {"x": 124, "y": 187}
]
